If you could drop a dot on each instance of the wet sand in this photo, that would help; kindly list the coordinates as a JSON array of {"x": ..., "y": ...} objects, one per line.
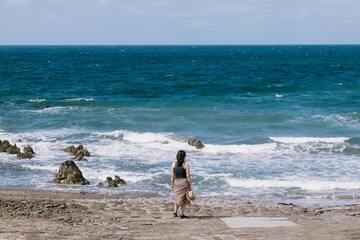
[{"x": 35, "y": 214}]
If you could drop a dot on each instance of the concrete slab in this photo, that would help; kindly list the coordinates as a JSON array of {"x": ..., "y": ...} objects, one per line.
[{"x": 257, "y": 222}]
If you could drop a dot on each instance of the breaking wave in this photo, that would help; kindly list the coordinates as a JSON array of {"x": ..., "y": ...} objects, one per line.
[
  {"x": 37, "y": 100},
  {"x": 114, "y": 142},
  {"x": 311, "y": 185},
  {"x": 299, "y": 140},
  {"x": 79, "y": 100}
]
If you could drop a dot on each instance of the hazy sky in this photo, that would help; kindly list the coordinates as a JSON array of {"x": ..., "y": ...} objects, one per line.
[{"x": 179, "y": 21}]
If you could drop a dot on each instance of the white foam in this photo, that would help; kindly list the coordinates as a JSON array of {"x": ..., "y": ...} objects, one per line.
[
  {"x": 41, "y": 135},
  {"x": 168, "y": 142},
  {"x": 37, "y": 100},
  {"x": 350, "y": 119},
  {"x": 112, "y": 149},
  {"x": 46, "y": 144},
  {"x": 129, "y": 143},
  {"x": 39, "y": 167},
  {"x": 117, "y": 152},
  {"x": 240, "y": 148},
  {"x": 146, "y": 137},
  {"x": 102, "y": 174},
  {"x": 299, "y": 140},
  {"x": 123, "y": 142},
  {"x": 279, "y": 95},
  {"x": 57, "y": 109},
  {"x": 79, "y": 99},
  {"x": 312, "y": 185}
]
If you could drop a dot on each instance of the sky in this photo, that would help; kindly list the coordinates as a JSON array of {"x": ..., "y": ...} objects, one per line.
[{"x": 120, "y": 22}]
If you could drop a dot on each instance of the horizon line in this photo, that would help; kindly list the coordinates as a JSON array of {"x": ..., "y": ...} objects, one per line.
[{"x": 215, "y": 44}]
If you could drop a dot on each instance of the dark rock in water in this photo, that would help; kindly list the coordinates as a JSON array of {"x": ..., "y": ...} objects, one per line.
[
  {"x": 70, "y": 149},
  {"x": 69, "y": 173},
  {"x": 110, "y": 182},
  {"x": 4, "y": 146},
  {"x": 13, "y": 149},
  {"x": 79, "y": 157},
  {"x": 79, "y": 152},
  {"x": 83, "y": 152},
  {"x": 196, "y": 143},
  {"x": 28, "y": 149},
  {"x": 287, "y": 204},
  {"x": 27, "y": 153},
  {"x": 118, "y": 180}
]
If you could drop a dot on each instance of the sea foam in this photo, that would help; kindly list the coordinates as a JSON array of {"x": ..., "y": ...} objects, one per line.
[
  {"x": 41, "y": 167},
  {"x": 121, "y": 152},
  {"x": 79, "y": 99},
  {"x": 311, "y": 185},
  {"x": 168, "y": 141},
  {"x": 37, "y": 100},
  {"x": 299, "y": 140},
  {"x": 240, "y": 148}
]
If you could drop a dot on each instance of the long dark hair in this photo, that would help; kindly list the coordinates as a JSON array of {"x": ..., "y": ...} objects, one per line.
[{"x": 180, "y": 157}]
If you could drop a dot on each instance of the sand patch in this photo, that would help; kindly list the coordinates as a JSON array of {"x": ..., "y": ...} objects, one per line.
[{"x": 257, "y": 222}]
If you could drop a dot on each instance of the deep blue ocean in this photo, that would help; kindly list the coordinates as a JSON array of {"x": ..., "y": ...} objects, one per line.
[{"x": 278, "y": 122}]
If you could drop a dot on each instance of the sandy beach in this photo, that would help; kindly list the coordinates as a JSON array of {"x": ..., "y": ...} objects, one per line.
[{"x": 39, "y": 214}]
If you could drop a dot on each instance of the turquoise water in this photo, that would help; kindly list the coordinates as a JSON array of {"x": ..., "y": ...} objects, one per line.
[{"x": 278, "y": 122}]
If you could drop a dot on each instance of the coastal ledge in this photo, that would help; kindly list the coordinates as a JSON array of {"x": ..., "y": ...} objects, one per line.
[{"x": 42, "y": 214}]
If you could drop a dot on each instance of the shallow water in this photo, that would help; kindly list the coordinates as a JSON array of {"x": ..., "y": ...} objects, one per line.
[{"x": 278, "y": 122}]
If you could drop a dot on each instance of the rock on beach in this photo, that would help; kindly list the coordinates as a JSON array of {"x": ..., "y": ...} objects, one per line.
[{"x": 69, "y": 173}]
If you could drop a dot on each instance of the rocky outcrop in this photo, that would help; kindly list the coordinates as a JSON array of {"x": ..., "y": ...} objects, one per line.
[
  {"x": 195, "y": 142},
  {"x": 13, "y": 149},
  {"x": 6, "y": 147},
  {"x": 4, "y": 144},
  {"x": 119, "y": 180},
  {"x": 110, "y": 182},
  {"x": 69, "y": 173},
  {"x": 27, "y": 153},
  {"x": 79, "y": 152}
]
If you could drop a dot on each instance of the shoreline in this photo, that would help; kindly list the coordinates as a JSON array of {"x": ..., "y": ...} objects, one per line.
[
  {"x": 44, "y": 214},
  {"x": 343, "y": 200}
]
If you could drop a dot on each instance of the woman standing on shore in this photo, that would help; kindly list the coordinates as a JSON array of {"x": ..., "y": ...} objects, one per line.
[{"x": 180, "y": 182}]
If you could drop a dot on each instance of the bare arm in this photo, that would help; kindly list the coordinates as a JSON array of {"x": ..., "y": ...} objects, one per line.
[
  {"x": 188, "y": 176},
  {"x": 172, "y": 180}
]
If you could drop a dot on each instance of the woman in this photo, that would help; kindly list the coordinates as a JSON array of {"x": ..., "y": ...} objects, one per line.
[{"x": 180, "y": 183}]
